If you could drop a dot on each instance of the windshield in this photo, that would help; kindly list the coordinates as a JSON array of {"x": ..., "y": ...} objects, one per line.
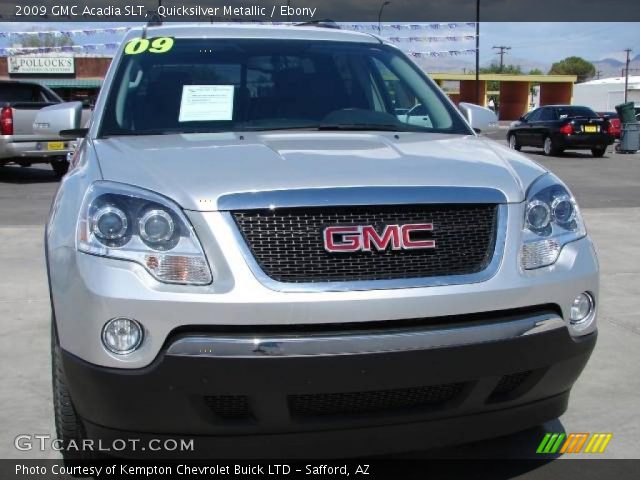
[{"x": 213, "y": 85}]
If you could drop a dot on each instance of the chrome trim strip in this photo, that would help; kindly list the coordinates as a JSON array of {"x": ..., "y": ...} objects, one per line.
[
  {"x": 272, "y": 284},
  {"x": 361, "y": 343},
  {"x": 350, "y": 196}
]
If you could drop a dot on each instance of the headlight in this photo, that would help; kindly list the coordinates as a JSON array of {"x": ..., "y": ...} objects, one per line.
[
  {"x": 129, "y": 223},
  {"x": 551, "y": 220}
]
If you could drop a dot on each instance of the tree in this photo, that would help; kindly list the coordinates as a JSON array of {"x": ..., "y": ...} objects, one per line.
[
  {"x": 536, "y": 71},
  {"x": 495, "y": 68},
  {"x": 574, "y": 66},
  {"x": 46, "y": 40}
]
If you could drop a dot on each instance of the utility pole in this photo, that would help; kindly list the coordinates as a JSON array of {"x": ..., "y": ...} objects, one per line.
[
  {"x": 503, "y": 50},
  {"x": 598, "y": 74},
  {"x": 626, "y": 76},
  {"x": 478, "y": 53}
]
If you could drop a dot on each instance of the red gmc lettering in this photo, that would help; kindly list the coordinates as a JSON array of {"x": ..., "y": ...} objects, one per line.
[
  {"x": 350, "y": 239},
  {"x": 408, "y": 229},
  {"x": 366, "y": 238}
]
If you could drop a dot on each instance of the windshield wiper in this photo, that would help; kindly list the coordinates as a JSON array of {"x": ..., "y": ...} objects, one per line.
[{"x": 360, "y": 126}]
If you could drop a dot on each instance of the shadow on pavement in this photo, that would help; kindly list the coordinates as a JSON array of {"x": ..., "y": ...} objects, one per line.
[{"x": 17, "y": 174}]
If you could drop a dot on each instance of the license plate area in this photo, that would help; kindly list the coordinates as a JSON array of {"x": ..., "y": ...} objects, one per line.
[
  {"x": 55, "y": 146},
  {"x": 590, "y": 128}
]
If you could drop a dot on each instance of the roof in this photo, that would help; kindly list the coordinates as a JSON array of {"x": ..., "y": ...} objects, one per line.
[
  {"x": 613, "y": 80},
  {"x": 504, "y": 77},
  {"x": 285, "y": 32}
]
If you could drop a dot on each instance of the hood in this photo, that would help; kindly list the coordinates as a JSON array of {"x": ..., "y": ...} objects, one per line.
[{"x": 196, "y": 169}]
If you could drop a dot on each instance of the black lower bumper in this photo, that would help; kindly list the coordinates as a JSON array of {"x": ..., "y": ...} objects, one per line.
[
  {"x": 335, "y": 406},
  {"x": 583, "y": 140}
]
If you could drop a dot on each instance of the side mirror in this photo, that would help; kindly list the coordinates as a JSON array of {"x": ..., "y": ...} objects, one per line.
[
  {"x": 481, "y": 119},
  {"x": 522, "y": 119},
  {"x": 62, "y": 116}
]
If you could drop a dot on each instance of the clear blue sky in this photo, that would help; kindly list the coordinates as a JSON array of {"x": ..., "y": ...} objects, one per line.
[{"x": 550, "y": 42}]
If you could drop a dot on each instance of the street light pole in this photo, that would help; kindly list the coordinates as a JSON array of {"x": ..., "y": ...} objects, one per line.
[
  {"x": 626, "y": 76},
  {"x": 382, "y": 5}
]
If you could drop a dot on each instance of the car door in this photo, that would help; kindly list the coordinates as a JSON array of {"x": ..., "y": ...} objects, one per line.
[
  {"x": 540, "y": 127},
  {"x": 522, "y": 130}
]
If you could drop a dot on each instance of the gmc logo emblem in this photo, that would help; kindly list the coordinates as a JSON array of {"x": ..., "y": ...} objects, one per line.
[{"x": 365, "y": 238}]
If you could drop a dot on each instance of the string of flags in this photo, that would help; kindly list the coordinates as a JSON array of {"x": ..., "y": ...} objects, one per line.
[
  {"x": 443, "y": 53},
  {"x": 90, "y": 47},
  {"x": 410, "y": 26},
  {"x": 67, "y": 33},
  {"x": 94, "y": 47},
  {"x": 356, "y": 26},
  {"x": 111, "y": 46}
]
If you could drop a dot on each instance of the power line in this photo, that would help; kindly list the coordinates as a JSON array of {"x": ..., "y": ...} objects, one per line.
[{"x": 503, "y": 50}]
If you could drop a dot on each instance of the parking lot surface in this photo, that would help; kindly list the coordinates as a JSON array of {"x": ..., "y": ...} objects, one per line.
[{"x": 605, "y": 398}]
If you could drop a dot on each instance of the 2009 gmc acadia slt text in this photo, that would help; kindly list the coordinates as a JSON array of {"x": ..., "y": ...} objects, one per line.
[{"x": 287, "y": 241}]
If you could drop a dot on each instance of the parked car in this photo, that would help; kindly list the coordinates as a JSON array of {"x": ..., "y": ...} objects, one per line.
[
  {"x": 556, "y": 128},
  {"x": 278, "y": 260},
  {"x": 20, "y": 101},
  {"x": 614, "y": 120}
]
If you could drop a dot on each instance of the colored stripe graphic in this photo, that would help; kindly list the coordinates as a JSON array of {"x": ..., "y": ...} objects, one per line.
[
  {"x": 598, "y": 443},
  {"x": 573, "y": 443},
  {"x": 550, "y": 443}
]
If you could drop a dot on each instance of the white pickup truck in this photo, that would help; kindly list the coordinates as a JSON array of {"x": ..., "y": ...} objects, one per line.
[{"x": 20, "y": 101}]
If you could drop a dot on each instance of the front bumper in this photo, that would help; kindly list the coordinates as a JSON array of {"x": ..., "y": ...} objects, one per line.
[{"x": 335, "y": 405}]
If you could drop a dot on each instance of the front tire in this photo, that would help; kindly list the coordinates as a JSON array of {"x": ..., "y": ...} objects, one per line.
[
  {"x": 598, "y": 151},
  {"x": 513, "y": 143},
  {"x": 69, "y": 428},
  {"x": 549, "y": 148}
]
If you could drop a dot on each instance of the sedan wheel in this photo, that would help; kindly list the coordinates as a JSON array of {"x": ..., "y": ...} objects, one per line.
[
  {"x": 513, "y": 143},
  {"x": 549, "y": 147}
]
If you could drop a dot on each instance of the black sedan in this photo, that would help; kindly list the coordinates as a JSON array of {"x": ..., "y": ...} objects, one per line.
[{"x": 556, "y": 128}]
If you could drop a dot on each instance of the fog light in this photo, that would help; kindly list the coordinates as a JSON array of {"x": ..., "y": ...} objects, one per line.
[
  {"x": 581, "y": 308},
  {"x": 122, "y": 335}
]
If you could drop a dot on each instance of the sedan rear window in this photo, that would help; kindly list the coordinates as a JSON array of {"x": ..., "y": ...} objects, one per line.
[{"x": 576, "y": 112}]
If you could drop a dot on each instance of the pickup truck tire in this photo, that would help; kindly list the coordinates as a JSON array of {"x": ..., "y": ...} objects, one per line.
[
  {"x": 598, "y": 151},
  {"x": 60, "y": 166},
  {"x": 68, "y": 424}
]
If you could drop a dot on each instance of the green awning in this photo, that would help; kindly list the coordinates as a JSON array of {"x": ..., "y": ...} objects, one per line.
[{"x": 69, "y": 82}]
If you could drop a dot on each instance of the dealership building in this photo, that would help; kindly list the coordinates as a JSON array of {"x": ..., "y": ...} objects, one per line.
[{"x": 73, "y": 77}]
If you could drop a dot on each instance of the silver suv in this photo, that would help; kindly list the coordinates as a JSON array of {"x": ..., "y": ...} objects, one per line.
[{"x": 261, "y": 247}]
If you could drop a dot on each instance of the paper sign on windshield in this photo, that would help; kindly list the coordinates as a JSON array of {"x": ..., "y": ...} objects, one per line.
[{"x": 202, "y": 103}]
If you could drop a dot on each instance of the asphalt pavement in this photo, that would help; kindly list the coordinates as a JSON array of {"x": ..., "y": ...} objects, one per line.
[{"x": 605, "y": 398}]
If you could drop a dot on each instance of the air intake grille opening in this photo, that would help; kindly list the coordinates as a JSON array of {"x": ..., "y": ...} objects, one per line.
[
  {"x": 288, "y": 243},
  {"x": 313, "y": 405},
  {"x": 508, "y": 384},
  {"x": 229, "y": 407}
]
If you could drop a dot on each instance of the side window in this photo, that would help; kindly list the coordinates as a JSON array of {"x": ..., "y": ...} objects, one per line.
[
  {"x": 406, "y": 107},
  {"x": 548, "y": 114},
  {"x": 534, "y": 116}
]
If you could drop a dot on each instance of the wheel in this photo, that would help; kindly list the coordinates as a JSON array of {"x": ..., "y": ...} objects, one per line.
[
  {"x": 60, "y": 166},
  {"x": 513, "y": 142},
  {"x": 69, "y": 427},
  {"x": 599, "y": 151},
  {"x": 549, "y": 148}
]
